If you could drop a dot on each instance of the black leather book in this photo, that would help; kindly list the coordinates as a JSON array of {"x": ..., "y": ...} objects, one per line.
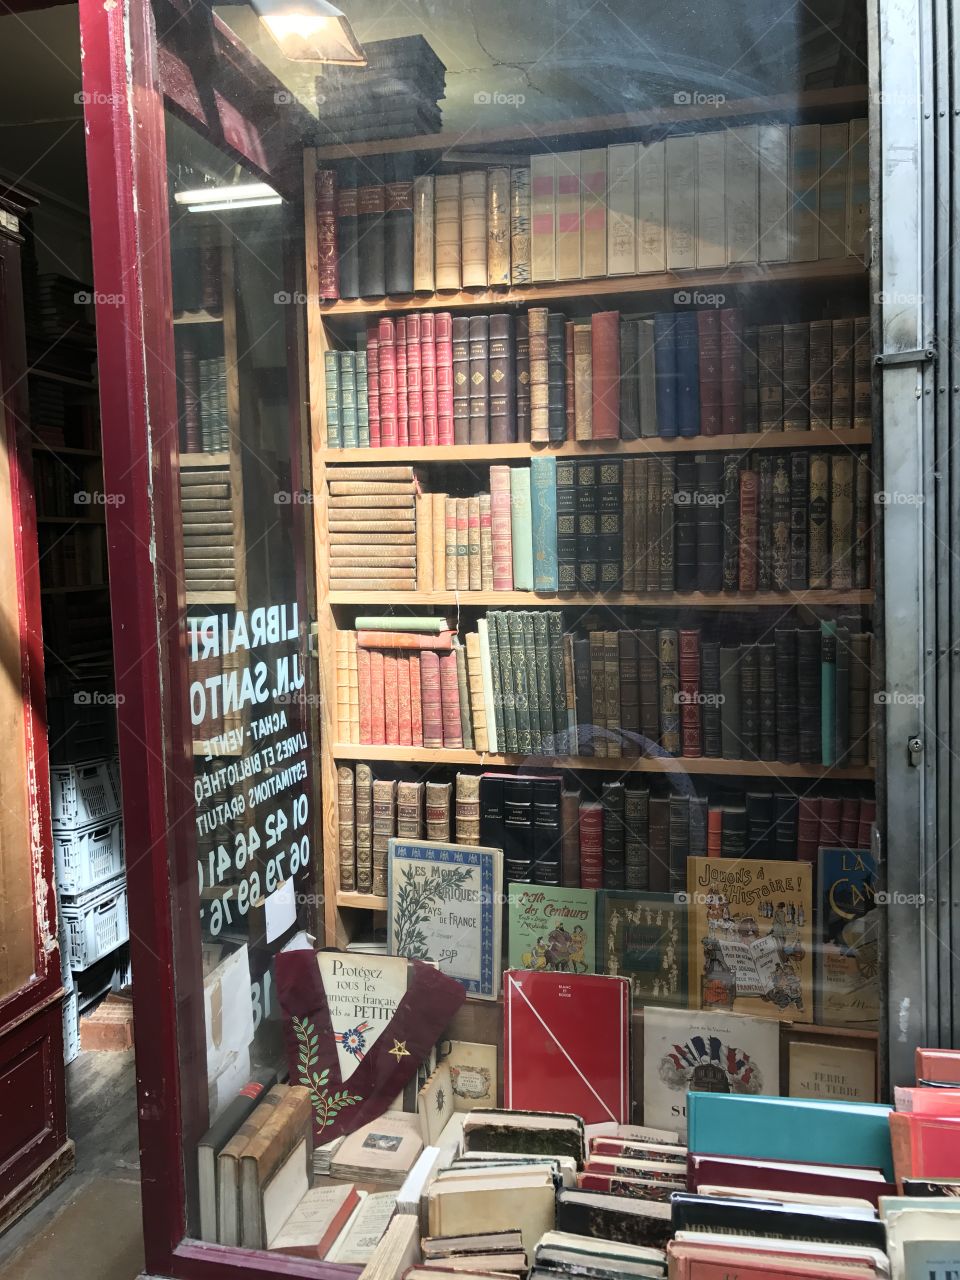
[
  {"x": 710, "y": 718},
  {"x": 731, "y": 522},
  {"x": 347, "y": 230},
  {"x": 523, "y": 376},
  {"x": 610, "y": 524},
  {"x": 566, "y": 524},
  {"x": 760, "y": 824},
  {"x": 648, "y": 673},
  {"x": 614, "y": 845},
  {"x": 668, "y": 508},
  {"x": 767, "y": 664},
  {"x": 547, "y": 830},
  {"x": 556, "y": 379},
  {"x": 659, "y": 840},
  {"x": 709, "y": 521},
  {"x": 785, "y": 833},
  {"x": 588, "y": 548},
  {"x": 517, "y": 829},
  {"x": 730, "y": 740},
  {"x": 503, "y": 381},
  {"x": 698, "y": 826},
  {"x": 491, "y": 811},
  {"x": 808, "y": 695},
  {"x": 612, "y": 1217},
  {"x": 629, "y": 693},
  {"x": 749, "y": 702},
  {"x": 398, "y": 254},
  {"x": 842, "y": 696},
  {"x": 788, "y": 724},
  {"x": 781, "y": 523},
  {"x": 685, "y": 524},
  {"x": 479, "y": 389},
  {"x": 679, "y": 835},
  {"x": 371, "y": 205},
  {"x": 729, "y": 1215},
  {"x": 583, "y": 692},
  {"x": 629, "y": 380},
  {"x": 751, "y": 386},
  {"x": 636, "y": 857},
  {"x": 461, "y": 379},
  {"x": 733, "y": 841},
  {"x": 799, "y": 503},
  {"x": 765, "y": 524}
]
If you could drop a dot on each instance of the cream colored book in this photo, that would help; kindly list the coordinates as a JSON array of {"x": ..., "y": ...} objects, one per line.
[
  {"x": 358, "y": 1240},
  {"x": 424, "y": 210},
  {"x": 543, "y": 216},
  {"x": 459, "y": 1208},
  {"x": 742, "y": 188},
  {"x": 711, "y": 210},
  {"x": 398, "y": 1250},
  {"x": 804, "y": 192},
  {"x": 473, "y": 1074},
  {"x": 773, "y": 152},
  {"x": 384, "y": 1150},
  {"x": 831, "y": 1071},
  {"x": 447, "y": 230},
  {"x": 569, "y": 260},
  {"x": 651, "y": 207},
  {"x": 473, "y": 227},
  {"x": 681, "y": 217},
  {"x": 435, "y": 1105},
  {"x": 622, "y": 209}
]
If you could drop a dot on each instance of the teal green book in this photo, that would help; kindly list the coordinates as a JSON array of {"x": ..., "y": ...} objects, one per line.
[
  {"x": 520, "y": 530},
  {"x": 500, "y": 646},
  {"x": 391, "y": 622},
  {"x": 348, "y": 400},
  {"x": 551, "y": 929},
  {"x": 363, "y": 408},
  {"x": 643, "y": 937},
  {"x": 543, "y": 506},
  {"x": 331, "y": 376},
  {"x": 520, "y": 671},
  {"x": 805, "y": 1129},
  {"x": 541, "y": 658},
  {"x": 828, "y": 692}
]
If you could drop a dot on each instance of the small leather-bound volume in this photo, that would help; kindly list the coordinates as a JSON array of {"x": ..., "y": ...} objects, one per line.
[
  {"x": 387, "y": 353},
  {"x": 688, "y": 375},
  {"x": 502, "y": 379},
  {"x": 346, "y": 829},
  {"x": 538, "y": 330},
  {"x": 862, "y": 519},
  {"x": 685, "y": 524},
  {"x": 500, "y": 658},
  {"x": 749, "y": 702},
  {"x": 570, "y": 839},
  {"x": 384, "y": 829},
  {"x": 409, "y": 810},
  {"x": 751, "y": 380},
  {"x": 636, "y": 852},
  {"x": 462, "y": 544},
  {"x": 416, "y": 701},
  {"x": 605, "y": 360},
  {"x": 363, "y": 694},
  {"x": 371, "y": 209},
  {"x": 598, "y": 693},
  {"x": 520, "y": 225},
  {"x": 613, "y": 799},
  {"x": 591, "y": 844},
  {"x": 759, "y": 806},
  {"x": 450, "y": 544},
  {"x": 821, "y": 375},
  {"x": 498, "y": 226},
  {"x": 780, "y": 524},
  {"x": 473, "y": 228},
  {"x": 808, "y": 695},
  {"x": 414, "y": 381},
  {"x": 450, "y": 701},
  {"x": 398, "y": 218},
  {"x": 349, "y": 268},
  {"x": 819, "y": 526},
  {"x": 770, "y": 376},
  {"x": 478, "y": 711},
  {"x": 445, "y": 378},
  {"x": 668, "y": 508},
  {"x": 711, "y": 699},
  {"x": 785, "y": 826},
  {"x": 655, "y": 482},
  {"x": 467, "y": 808},
  {"x": 557, "y": 693},
  {"x": 447, "y": 230},
  {"x": 373, "y": 384},
  {"x": 461, "y": 379},
  {"x": 629, "y": 679},
  {"x": 610, "y": 524},
  {"x": 566, "y": 525},
  {"x": 678, "y": 833},
  {"x": 841, "y": 386},
  {"x": 862, "y": 373},
  {"x": 424, "y": 280},
  {"x": 431, "y": 700},
  {"x": 648, "y": 671},
  {"x": 438, "y": 522},
  {"x": 519, "y": 662},
  {"x": 629, "y": 380},
  {"x": 329, "y": 258},
  {"x": 588, "y": 549},
  {"x": 611, "y": 678},
  {"x": 473, "y": 544},
  {"x": 583, "y": 381},
  {"x": 669, "y": 673},
  {"x": 377, "y": 727},
  {"x": 583, "y": 696},
  {"x": 730, "y": 707},
  {"x": 363, "y": 410},
  {"x": 747, "y": 540},
  {"x": 331, "y": 377},
  {"x": 766, "y": 662},
  {"x": 788, "y": 711},
  {"x": 731, "y": 370},
  {"x": 523, "y": 376},
  {"x": 628, "y": 573},
  {"x": 665, "y": 365},
  {"x": 659, "y": 841},
  {"x": 556, "y": 378},
  {"x": 569, "y": 382},
  {"x": 391, "y": 703},
  {"x": 715, "y": 831},
  {"x": 799, "y": 502},
  {"x": 691, "y": 743},
  {"x": 710, "y": 370},
  {"x": 841, "y": 522},
  {"x": 437, "y": 805},
  {"x": 796, "y": 377},
  {"x": 544, "y": 736},
  {"x": 364, "y": 828},
  {"x": 501, "y": 528},
  {"x": 709, "y": 521},
  {"x": 403, "y": 405},
  {"x": 428, "y": 377}
]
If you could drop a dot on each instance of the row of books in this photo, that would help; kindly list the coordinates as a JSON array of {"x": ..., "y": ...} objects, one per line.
[
  {"x": 439, "y": 379},
  {"x": 394, "y": 95},
  {"x": 522, "y": 685},
  {"x": 623, "y": 836},
  {"x": 61, "y": 487},
  {"x": 209, "y": 550},
  {"x": 204, "y": 421},
  {"x": 769, "y": 193},
  {"x": 74, "y": 556}
]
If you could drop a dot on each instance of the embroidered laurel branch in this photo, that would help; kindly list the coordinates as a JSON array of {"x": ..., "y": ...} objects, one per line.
[{"x": 326, "y": 1105}]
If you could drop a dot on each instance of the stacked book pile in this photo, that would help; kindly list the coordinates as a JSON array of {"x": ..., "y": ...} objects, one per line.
[
  {"x": 63, "y": 307},
  {"x": 522, "y": 685},
  {"x": 455, "y": 379},
  {"x": 395, "y": 95},
  {"x": 209, "y": 553},
  {"x": 372, "y": 528},
  {"x": 764, "y": 194}
]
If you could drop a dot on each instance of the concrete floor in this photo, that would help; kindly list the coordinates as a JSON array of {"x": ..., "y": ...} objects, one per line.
[{"x": 88, "y": 1228}]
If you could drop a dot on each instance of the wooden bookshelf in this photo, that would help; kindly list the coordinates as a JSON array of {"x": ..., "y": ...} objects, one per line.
[
  {"x": 626, "y": 600},
  {"x": 197, "y": 317}
]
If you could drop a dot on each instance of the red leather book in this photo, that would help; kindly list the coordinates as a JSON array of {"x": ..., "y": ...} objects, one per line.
[
  {"x": 829, "y": 837},
  {"x": 605, "y": 355},
  {"x": 850, "y": 822},
  {"x": 373, "y": 384},
  {"x": 781, "y": 1175},
  {"x": 591, "y": 845},
  {"x": 927, "y": 1101},
  {"x": 566, "y": 1044},
  {"x": 363, "y": 694},
  {"x": 711, "y": 397},
  {"x": 693, "y": 1260},
  {"x": 808, "y": 828},
  {"x": 444, "y": 341},
  {"x": 326, "y": 188},
  {"x": 326, "y": 1223},
  {"x": 450, "y": 701},
  {"x": 428, "y": 376},
  {"x": 403, "y": 409},
  {"x": 924, "y": 1146},
  {"x": 404, "y": 640},
  {"x": 414, "y": 383},
  {"x": 715, "y": 832},
  {"x": 690, "y": 738},
  {"x": 500, "y": 521},
  {"x": 430, "y": 698},
  {"x": 387, "y": 333},
  {"x": 570, "y": 401},
  {"x": 937, "y": 1066},
  {"x": 868, "y": 816},
  {"x": 749, "y": 497},
  {"x": 731, "y": 366},
  {"x": 416, "y": 707},
  {"x": 377, "y": 729},
  {"x": 403, "y": 700},
  {"x": 391, "y": 711}
]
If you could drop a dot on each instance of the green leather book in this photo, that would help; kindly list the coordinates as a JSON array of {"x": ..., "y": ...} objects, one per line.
[
  {"x": 498, "y": 628},
  {"x": 828, "y": 693},
  {"x": 543, "y": 503},
  {"x": 520, "y": 529},
  {"x": 331, "y": 370},
  {"x": 518, "y": 669},
  {"x": 533, "y": 683},
  {"x": 558, "y": 684},
  {"x": 541, "y": 657}
]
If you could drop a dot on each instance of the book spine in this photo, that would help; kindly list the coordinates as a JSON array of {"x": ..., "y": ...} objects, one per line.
[
  {"x": 605, "y": 361},
  {"x": 331, "y": 371},
  {"x": 364, "y": 828},
  {"x": 841, "y": 391},
  {"x": 463, "y": 690},
  {"x": 543, "y": 502},
  {"x": 377, "y": 711},
  {"x": 384, "y": 827},
  {"x": 437, "y": 810},
  {"x": 492, "y": 696},
  {"x": 741, "y": 179},
  {"x": 473, "y": 228},
  {"x": 502, "y": 379},
  {"x": 373, "y": 384},
  {"x": 841, "y": 522},
  {"x": 566, "y": 498},
  {"x": 478, "y": 709},
  {"x": 507, "y": 682},
  {"x": 363, "y": 406},
  {"x": 834, "y": 148},
  {"x": 450, "y": 702},
  {"x": 349, "y": 265},
  {"x": 498, "y": 226},
  {"x": 773, "y": 150},
  {"x": 405, "y": 729},
  {"x": 523, "y": 377},
  {"x": 467, "y": 810},
  {"x": 731, "y": 370},
  {"x": 796, "y": 377},
  {"x": 711, "y": 201},
  {"x": 462, "y": 526},
  {"x": 583, "y": 381},
  {"x": 681, "y": 208},
  {"x": 819, "y": 525},
  {"x": 770, "y": 376},
  {"x": 613, "y": 844},
  {"x": 539, "y": 368},
  {"x": 629, "y": 692},
  {"x": 799, "y": 502},
  {"x": 403, "y": 407},
  {"x": 651, "y": 207},
  {"x": 387, "y": 365},
  {"x": 780, "y": 541},
  {"x": 751, "y": 384},
  {"x": 473, "y": 544},
  {"x": 502, "y": 528},
  {"x": 803, "y": 195},
  {"x": 665, "y": 358},
  {"x": 520, "y": 675},
  {"x": 371, "y": 207},
  {"x": 414, "y": 381},
  {"x": 424, "y": 280},
  {"x": 445, "y": 379},
  {"x": 479, "y": 380},
  {"x": 556, "y": 379},
  {"x": 593, "y": 212},
  {"x": 588, "y": 551},
  {"x": 486, "y": 543},
  {"x": 519, "y": 225},
  {"x": 447, "y": 231},
  {"x": 710, "y": 373},
  {"x": 689, "y": 672},
  {"x": 461, "y": 380},
  {"x": 431, "y": 704},
  {"x": 543, "y": 212},
  {"x": 570, "y": 839},
  {"x": 329, "y": 259},
  {"x": 668, "y": 481},
  {"x": 346, "y": 830},
  {"x": 410, "y": 810},
  {"x": 569, "y": 261},
  {"x": 669, "y": 692},
  {"x": 399, "y": 232},
  {"x": 747, "y": 539},
  {"x": 863, "y": 482},
  {"x": 610, "y": 524},
  {"x": 416, "y": 701},
  {"x": 428, "y": 377},
  {"x": 622, "y": 209},
  {"x": 591, "y": 845}
]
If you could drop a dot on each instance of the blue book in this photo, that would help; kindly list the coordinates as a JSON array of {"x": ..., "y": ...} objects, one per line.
[
  {"x": 847, "y": 988},
  {"x": 688, "y": 374},
  {"x": 543, "y": 514},
  {"x": 520, "y": 530},
  {"x": 665, "y": 373},
  {"x": 806, "y": 1129}
]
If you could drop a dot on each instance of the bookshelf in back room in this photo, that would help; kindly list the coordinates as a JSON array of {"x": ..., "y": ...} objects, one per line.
[{"x": 605, "y": 411}]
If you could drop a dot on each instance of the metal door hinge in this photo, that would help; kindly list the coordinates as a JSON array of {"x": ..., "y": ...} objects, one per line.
[{"x": 920, "y": 355}]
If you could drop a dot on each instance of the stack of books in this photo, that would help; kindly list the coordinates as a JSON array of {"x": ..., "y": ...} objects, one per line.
[
  {"x": 372, "y": 528},
  {"x": 63, "y": 307},
  {"x": 395, "y": 95},
  {"x": 209, "y": 552}
]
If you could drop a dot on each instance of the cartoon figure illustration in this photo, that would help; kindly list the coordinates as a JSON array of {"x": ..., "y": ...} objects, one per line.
[{"x": 578, "y": 942}]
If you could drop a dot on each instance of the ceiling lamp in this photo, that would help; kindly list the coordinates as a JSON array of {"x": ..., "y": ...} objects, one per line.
[{"x": 311, "y": 31}]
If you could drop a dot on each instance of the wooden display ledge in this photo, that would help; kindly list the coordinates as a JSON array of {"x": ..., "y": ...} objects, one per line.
[{"x": 608, "y": 600}]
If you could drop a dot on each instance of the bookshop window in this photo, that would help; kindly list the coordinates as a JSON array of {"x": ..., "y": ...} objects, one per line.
[{"x": 591, "y": 494}]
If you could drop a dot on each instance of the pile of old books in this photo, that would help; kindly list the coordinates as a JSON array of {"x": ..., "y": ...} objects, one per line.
[{"x": 396, "y": 95}]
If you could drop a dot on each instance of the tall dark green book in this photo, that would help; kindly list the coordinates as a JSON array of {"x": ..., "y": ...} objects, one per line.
[
  {"x": 828, "y": 692},
  {"x": 543, "y": 514},
  {"x": 558, "y": 684},
  {"x": 636, "y": 854},
  {"x": 541, "y": 657},
  {"x": 521, "y": 690},
  {"x": 533, "y": 684},
  {"x": 507, "y": 685}
]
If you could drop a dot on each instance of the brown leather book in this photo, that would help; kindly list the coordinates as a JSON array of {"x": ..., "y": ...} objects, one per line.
[
  {"x": 841, "y": 412},
  {"x": 468, "y": 808},
  {"x": 605, "y": 359},
  {"x": 287, "y": 1126},
  {"x": 538, "y": 322},
  {"x": 438, "y": 810},
  {"x": 384, "y": 827},
  {"x": 363, "y": 787},
  {"x": 346, "y": 829},
  {"x": 749, "y": 496},
  {"x": 438, "y": 524},
  {"x": 410, "y": 810},
  {"x": 475, "y": 683},
  {"x": 841, "y": 522},
  {"x": 818, "y": 547},
  {"x": 569, "y": 378}
]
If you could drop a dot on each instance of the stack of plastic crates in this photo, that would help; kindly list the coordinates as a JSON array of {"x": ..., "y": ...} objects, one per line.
[{"x": 91, "y": 887}]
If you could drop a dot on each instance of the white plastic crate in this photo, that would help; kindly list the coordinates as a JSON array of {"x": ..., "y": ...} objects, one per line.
[
  {"x": 71, "y": 1027},
  {"x": 88, "y": 857},
  {"x": 83, "y": 794},
  {"x": 96, "y": 923}
]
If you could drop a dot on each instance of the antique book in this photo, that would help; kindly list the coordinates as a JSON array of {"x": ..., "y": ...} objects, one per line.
[
  {"x": 346, "y": 830},
  {"x": 493, "y": 1203},
  {"x": 473, "y": 228},
  {"x": 551, "y": 928},
  {"x": 473, "y": 1074},
  {"x": 478, "y": 708},
  {"x": 651, "y": 206},
  {"x": 423, "y": 234},
  {"x": 498, "y": 226},
  {"x": 642, "y": 937},
  {"x": 804, "y": 192},
  {"x": 750, "y": 935},
  {"x": 827, "y": 1070},
  {"x": 593, "y": 212},
  {"x": 326, "y": 206},
  {"x": 711, "y": 201},
  {"x": 371, "y": 207},
  {"x": 777, "y": 1220},
  {"x": 568, "y": 225},
  {"x": 435, "y": 1105},
  {"x": 605, "y": 380},
  {"x": 522, "y": 351},
  {"x": 447, "y": 230},
  {"x": 818, "y": 545},
  {"x": 848, "y": 939},
  {"x": 521, "y": 528},
  {"x": 711, "y": 389},
  {"x": 534, "y": 1133},
  {"x": 731, "y": 370},
  {"x": 501, "y": 375},
  {"x": 669, "y": 691},
  {"x": 227, "y": 1215},
  {"x": 398, "y": 225},
  {"x": 445, "y": 380},
  {"x": 479, "y": 379},
  {"x": 384, "y": 827},
  {"x": 364, "y": 828},
  {"x": 681, "y": 202},
  {"x": 770, "y": 383},
  {"x": 443, "y": 906},
  {"x": 834, "y": 158},
  {"x": 363, "y": 1232},
  {"x": 538, "y": 327},
  {"x": 543, "y": 500},
  {"x": 613, "y": 1217},
  {"x": 437, "y": 806},
  {"x": 622, "y": 209},
  {"x": 773, "y": 149},
  {"x": 556, "y": 378},
  {"x": 543, "y": 213},
  {"x": 858, "y": 190},
  {"x": 316, "y": 1222},
  {"x": 278, "y": 1150},
  {"x": 519, "y": 225},
  {"x": 467, "y": 808},
  {"x": 409, "y": 810},
  {"x": 382, "y": 1151},
  {"x": 583, "y": 381}
]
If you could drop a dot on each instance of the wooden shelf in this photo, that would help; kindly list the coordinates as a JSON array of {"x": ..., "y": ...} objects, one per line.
[
  {"x": 816, "y": 102},
  {"x": 855, "y": 437},
  {"x": 838, "y": 271},
  {"x": 653, "y": 600},
  {"x": 371, "y": 901},
  {"x": 613, "y": 764},
  {"x": 197, "y": 317},
  {"x": 204, "y": 459},
  {"x": 211, "y": 597}
]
